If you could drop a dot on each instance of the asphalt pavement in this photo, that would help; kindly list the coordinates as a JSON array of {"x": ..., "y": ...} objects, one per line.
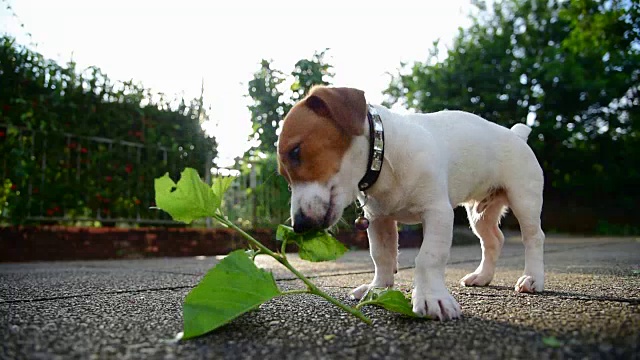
[{"x": 132, "y": 309}]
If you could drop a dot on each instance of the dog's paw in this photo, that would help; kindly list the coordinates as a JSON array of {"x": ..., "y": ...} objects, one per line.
[
  {"x": 362, "y": 290},
  {"x": 529, "y": 284},
  {"x": 359, "y": 292},
  {"x": 439, "y": 306},
  {"x": 476, "y": 279}
]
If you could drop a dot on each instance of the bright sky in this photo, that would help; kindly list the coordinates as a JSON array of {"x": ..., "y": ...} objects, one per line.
[{"x": 170, "y": 46}]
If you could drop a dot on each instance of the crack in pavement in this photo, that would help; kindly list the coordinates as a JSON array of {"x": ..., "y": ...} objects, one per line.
[
  {"x": 113, "y": 292},
  {"x": 560, "y": 295}
]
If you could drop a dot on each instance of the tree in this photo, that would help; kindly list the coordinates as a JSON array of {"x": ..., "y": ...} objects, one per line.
[
  {"x": 267, "y": 108},
  {"x": 308, "y": 73},
  {"x": 571, "y": 69},
  {"x": 270, "y": 104}
]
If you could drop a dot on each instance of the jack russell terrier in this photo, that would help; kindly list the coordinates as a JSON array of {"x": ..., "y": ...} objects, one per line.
[{"x": 412, "y": 169}]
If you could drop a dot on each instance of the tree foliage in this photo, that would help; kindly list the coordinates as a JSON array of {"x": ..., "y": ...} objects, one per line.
[
  {"x": 272, "y": 99},
  {"x": 267, "y": 108},
  {"x": 569, "y": 68},
  {"x": 307, "y": 73}
]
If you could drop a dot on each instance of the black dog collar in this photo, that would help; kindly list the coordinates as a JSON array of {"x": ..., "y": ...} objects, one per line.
[{"x": 376, "y": 149}]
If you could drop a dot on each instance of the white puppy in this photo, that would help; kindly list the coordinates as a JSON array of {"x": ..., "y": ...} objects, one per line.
[{"x": 432, "y": 163}]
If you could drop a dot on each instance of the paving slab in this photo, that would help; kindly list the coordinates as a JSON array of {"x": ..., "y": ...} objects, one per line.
[
  {"x": 43, "y": 285},
  {"x": 130, "y": 309}
]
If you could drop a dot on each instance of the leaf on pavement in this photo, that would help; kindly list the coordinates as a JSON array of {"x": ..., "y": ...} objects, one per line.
[{"x": 233, "y": 287}]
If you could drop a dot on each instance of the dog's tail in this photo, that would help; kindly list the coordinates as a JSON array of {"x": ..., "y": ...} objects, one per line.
[{"x": 521, "y": 130}]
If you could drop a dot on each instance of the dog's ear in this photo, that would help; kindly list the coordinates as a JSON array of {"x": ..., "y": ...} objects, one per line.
[{"x": 345, "y": 106}]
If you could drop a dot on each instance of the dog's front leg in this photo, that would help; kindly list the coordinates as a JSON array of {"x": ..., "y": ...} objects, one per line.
[
  {"x": 430, "y": 295},
  {"x": 383, "y": 245}
]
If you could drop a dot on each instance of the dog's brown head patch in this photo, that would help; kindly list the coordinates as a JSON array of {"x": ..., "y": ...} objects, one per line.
[{"x": 317, "y": 132}]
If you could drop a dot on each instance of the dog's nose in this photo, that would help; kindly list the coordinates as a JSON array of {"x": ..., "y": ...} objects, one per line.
[{"x": 302, "y": 222}]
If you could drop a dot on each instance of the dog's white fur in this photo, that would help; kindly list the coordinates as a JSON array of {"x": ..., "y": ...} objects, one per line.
[{"x": 433, "y": 163}]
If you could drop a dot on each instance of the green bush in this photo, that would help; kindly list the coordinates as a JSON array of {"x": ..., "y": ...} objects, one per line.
[{"x": 76, "y": 144}]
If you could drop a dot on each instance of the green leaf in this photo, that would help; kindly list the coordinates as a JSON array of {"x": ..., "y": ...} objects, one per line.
[
  {"x": 187, "y": 200},
  {"x": 285, "y": 233},
  {"x": 219, "y": 187},
  {"x": 551, "y": 341},
  {"x": 322, "y": 247},
  {"x": 13, "y": 130},
  {"x": 392, "y": 300},
  {"x": 313, "y": 246},
  {"x": 232, "y": 288}
]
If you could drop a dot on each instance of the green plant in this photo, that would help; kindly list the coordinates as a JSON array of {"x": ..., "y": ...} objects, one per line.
[
  {"x": 77, "y": 144},
  {"x": 236, "y": 285},
  {"x": 5, "y": 191},
  {"x": 612, "y": 229}
]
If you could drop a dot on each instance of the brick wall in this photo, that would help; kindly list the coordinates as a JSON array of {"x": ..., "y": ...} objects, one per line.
[{"x": 31, "y": 243}]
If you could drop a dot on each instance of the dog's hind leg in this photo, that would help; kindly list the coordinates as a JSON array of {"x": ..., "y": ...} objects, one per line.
[
  {"x": 383, "y": 244},
  {"x": 526, "y": 203},
  {"x": 485, "y": 225}
]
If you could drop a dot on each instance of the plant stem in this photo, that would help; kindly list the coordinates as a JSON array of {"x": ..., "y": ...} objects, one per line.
[
  {"x": 283, "y": 249},
  {"x": 363, "y": 303},
  {"x": 312, "y": 289},
  {"x": 258, "y": 244}
]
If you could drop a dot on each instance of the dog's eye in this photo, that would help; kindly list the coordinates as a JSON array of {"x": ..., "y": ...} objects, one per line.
[{"x": 294, "y": 155}]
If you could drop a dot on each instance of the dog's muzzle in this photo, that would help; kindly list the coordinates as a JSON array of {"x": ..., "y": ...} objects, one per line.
[{"x": 302, "y": 223}]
